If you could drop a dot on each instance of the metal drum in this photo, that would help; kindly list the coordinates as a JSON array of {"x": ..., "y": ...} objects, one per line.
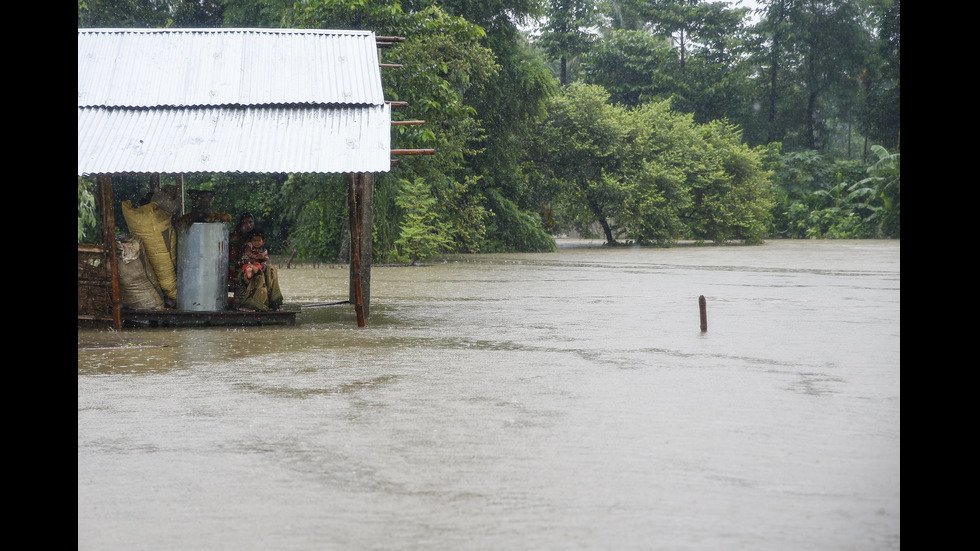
[{"x": 202, "y": 267}]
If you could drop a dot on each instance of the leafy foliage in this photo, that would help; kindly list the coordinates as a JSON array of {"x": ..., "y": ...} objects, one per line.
[
  {"x": 423, "y": 234},
  {"x": 567, "y": 33},
  {"x": 731, "y": 190},
  {"x": 87, "y": 222},
  {"x": 315, "y": 214},
  {"x": 634, "y": 66},
  {"x": 885, "y": 184},
  {"x": 838, "y": 199},
  {"x": 515, "y": 229},
  {"x": 649, "y": 174},
  {"x": 123, "y": 13}
]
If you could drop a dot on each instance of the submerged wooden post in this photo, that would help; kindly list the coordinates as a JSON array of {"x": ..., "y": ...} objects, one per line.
[
  {"x": 355, "y": 247},
  {"x": 704, "y": 314}
]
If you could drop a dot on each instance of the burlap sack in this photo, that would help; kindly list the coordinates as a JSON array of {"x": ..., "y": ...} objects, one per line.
[
  {"x": 152, "y": 225},
  {"x": 167, "y": 198},
  {"x": 138, "y": 285}
]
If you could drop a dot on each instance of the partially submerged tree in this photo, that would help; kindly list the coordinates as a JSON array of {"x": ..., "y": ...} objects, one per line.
[{"x": 652, "y": 175}]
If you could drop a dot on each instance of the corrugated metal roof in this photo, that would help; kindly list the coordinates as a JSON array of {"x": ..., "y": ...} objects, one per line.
[
  {"x": 230, "y": 100},
  {"x": 186, "y": 67},
  {"x": 252, "y": 139}
]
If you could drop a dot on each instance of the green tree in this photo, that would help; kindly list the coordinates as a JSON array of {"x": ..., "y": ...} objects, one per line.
[
  {"x": 663, "y": 150},
  {"x": 423, "y": 235},
  {"x": 150, "y": 13},
  {"x": 885, "y": 181},
  {"x": 714, "y": 73},
  {"x": 508, "y": 111},
  {"x": 628, "y": 15},
  {"x": 443, "y": 62},
  {"x": 256, "y": 13},
  {"x": 813, "y": 53},
  {"x": 881, "y": 84},
  {"x": 313, "y": 209},
  {"x": 834, "y": 53},
  {"x": 197, "y": 13},
  {"x": 580, "y": 146},
  {"x": 569, "y": 31},
  {"x": 652, "y": 175},
  {"x": 123, "y": 13},
  {"x": 634, "y": 66},
  {"x": 731, "y": 191},
  {"x": 773, "y": 32},
  {"x": 695, "y": 26},
  {"x": 820, "y": 197},
  {"x": 688, "y": 51},
  {"x": 87, "y": 221}
]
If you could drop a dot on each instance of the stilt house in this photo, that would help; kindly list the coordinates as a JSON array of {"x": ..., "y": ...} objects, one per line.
[{"x": 186, "y": 101}]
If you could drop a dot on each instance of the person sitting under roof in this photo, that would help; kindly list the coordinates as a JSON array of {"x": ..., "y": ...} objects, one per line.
[{"x": 256, "y": 290}]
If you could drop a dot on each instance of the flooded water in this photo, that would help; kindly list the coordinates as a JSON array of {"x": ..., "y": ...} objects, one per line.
[{"x": 566, "y": 400}]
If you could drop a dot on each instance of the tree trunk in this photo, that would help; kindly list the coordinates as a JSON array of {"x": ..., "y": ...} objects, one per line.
[
  {"x": 607, "y": 230},
  {"x": 683, "y": 55},
  {"x": 811, "y": 108},
  {"x": 773, "y": 70},
  {"x": 780, "y": 17}
]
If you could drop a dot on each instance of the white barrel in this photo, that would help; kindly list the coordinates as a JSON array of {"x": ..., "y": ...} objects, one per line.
[{"x": 202, "y": 267}]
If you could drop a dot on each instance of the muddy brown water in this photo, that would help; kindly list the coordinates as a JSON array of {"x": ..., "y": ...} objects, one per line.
[{"x": 565, "y": 400}]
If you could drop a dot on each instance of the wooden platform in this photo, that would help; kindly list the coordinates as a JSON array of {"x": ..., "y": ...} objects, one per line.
[{"x": 169, "y": 317}]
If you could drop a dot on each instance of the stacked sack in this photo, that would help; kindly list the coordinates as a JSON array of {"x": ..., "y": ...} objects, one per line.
[{"x": 153, "y": 226}]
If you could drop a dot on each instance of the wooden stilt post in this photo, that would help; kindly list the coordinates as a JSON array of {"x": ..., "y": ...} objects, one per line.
[
  {"x": 365, "y": 213},
  {"x": 108, "y": 218},
  {"x": 355, "y": 247}
]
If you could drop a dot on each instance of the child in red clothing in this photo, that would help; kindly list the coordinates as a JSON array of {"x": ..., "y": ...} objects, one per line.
[{"x": 256, "y": 255}]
